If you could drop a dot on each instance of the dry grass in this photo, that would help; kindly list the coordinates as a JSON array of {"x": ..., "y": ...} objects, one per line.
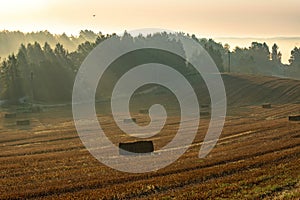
[{"x": 256, "y": 157}]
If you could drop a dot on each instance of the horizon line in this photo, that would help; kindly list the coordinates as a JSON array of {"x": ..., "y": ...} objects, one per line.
[{"x": 72, "y": 33}]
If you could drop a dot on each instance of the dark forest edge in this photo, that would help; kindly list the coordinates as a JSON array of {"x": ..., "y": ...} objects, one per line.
[{"x": 44, "y": 67}]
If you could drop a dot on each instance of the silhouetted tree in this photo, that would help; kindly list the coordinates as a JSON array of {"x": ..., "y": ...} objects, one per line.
[
  {"x": 295, "y": 57},
  {"x": 276, "y": 56},
  {"x": 13, "y": 85},
  {"x": 54, "y": 69}
]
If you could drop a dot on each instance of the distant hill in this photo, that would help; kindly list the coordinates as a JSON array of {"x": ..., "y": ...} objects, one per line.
[
  {"x": 10, "y": 41},
  {"x": 241, "y": 90},
  {"x": 255, "y": 89}
]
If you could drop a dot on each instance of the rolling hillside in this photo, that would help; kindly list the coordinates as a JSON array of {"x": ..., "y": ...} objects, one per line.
[
  {"x": 241, "y": 90},
  {"x": 253, "y": 89}
]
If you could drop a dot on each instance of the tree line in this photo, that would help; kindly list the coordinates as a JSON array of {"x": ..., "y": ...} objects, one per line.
[
  {"x": 11, "y": 40},
  {"x": 41, "y": 72}
]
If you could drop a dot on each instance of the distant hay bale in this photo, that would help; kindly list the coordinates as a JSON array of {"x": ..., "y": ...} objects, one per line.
[
  {"x": 24, "y": 109},
  {"x": 294, "y": 118},
  {"x": 204, "y": 113},
  {"x": 144, "y": 111},
  {"x": 36, "y": 109},
  {"x": 266, "y": 105},
  {"x": 10, "y": 115},
  {"x": 160, "y": 93},
  {"x": 129, "y": 120},
  {"x": 136, "y": 147},
  {"x": 28, "y": 109},
  {"x": 205, "y": 106},
  {"x": 23, "y": 122}
]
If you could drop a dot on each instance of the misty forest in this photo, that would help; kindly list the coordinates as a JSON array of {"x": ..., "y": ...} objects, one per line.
[{"x": 41, "y": 67}]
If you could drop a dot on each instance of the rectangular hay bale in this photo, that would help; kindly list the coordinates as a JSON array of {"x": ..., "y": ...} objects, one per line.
[
  {"x": 23, "y": 110},
  {"x": 144, "y": 111},
  {"x": 160, "y": 93},
  {"x": 129, "y": 120},
  {"x": 132, "y": 148},
  {"x": 23, "y": 122},
  {"x": 266, "y": 105},
  {"x": 10, "y": 115},
  {"x": 204, "y": 113},
  {"x": 36, "y": 109},
  {"x": 205, "y": 106},
  {"x": 294, "y": 118}
]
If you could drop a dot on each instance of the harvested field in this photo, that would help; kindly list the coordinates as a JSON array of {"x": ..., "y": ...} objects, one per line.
[{"x": 256, "y": 157}]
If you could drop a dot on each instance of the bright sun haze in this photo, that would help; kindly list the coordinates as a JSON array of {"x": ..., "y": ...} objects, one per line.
[{"x": 208, "y": 18}]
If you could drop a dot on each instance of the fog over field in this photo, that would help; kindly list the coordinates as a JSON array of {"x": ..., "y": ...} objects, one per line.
[{"x": 171, "y": 100}]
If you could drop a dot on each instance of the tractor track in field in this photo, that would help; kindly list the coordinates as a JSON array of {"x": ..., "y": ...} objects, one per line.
[
  {"x": 126, "y": 180},
  {"x": 225, "y": 173},
  {"x": 231, "y": 136}
]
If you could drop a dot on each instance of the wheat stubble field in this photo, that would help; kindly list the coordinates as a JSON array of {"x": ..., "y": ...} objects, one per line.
[{"x": 256, "y": 157}]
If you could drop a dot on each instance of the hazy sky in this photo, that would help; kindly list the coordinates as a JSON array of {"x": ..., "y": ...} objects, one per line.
[{"x": 209, "y": 18}]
